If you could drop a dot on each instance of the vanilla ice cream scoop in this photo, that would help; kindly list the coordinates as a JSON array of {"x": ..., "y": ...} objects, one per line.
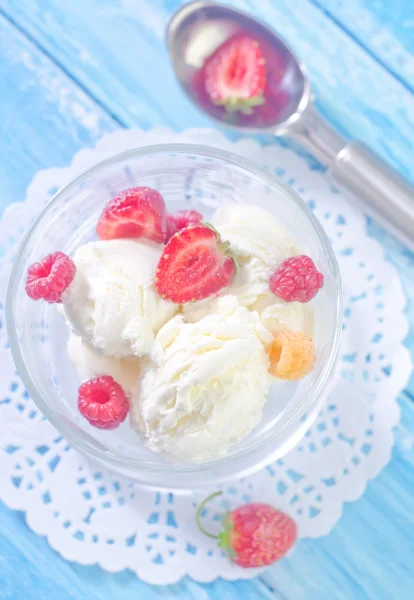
[
  {"x": 260, "y": 245},
  {"x": 112, "y": 302},
  {"x": 89, "y": 363},
  {"x": 206, "y": 391}
]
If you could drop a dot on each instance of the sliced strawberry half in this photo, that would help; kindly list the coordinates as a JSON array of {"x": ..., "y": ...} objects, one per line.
[
  {"x": 235, "y": 74},
  {"x": 134, "y": 213},
  {"x": 195, "y": 264}
]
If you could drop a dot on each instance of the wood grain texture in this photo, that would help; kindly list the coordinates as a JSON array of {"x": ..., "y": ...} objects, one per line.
[
  {"x": 122, "y": 62},
  {"x": 384, "y": 28},
  {"x": 353, "y": 90},
  {"x": 44, "y": 118},
  {"x": 115, "y": 61},
  {"x": 367, "y": 556},
  {"x": 89, "y": 78}
]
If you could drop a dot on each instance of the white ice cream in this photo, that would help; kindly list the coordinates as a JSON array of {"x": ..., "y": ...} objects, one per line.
[
  {"x": 89, "y": 363},
  {"x": 197, "y": 381},
  {"x": 260, "y": 245},
  {"x": 206, "y": 391},
  {"x": 112, "y": 302}
]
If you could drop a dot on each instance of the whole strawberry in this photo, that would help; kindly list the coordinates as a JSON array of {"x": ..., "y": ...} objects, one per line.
[
  {"x": 235, "y": 74},
  {"x": 254, "y": 535}
]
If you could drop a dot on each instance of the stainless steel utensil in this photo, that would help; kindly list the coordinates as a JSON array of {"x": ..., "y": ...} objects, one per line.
[{"x": 198, "y": 28}]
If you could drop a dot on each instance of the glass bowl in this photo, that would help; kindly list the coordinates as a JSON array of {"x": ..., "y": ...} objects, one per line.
[{"x": 188, "y": 176}]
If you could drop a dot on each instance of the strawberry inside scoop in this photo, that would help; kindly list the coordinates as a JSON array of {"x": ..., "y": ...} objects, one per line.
[{"x": 235, "y": 74}]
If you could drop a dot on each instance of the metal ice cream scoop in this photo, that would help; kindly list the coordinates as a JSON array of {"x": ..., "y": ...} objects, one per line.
[{"x": 198, "y": 28}]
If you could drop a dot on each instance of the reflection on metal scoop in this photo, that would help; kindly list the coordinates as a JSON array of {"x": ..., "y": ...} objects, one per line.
[{"x": 200, "y": 27}]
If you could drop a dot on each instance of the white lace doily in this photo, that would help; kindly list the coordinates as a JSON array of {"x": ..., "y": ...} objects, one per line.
[{"x": 91, "y": 515}]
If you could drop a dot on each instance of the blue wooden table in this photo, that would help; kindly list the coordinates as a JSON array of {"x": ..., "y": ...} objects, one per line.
[{"x": 71, "y": 71}]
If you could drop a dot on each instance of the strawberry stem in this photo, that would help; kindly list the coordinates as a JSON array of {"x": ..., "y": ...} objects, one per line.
[
  {"x": 210, "y": 226},
  {"x": 244, "y": 105},
  {"x": 198, "y": 515}
]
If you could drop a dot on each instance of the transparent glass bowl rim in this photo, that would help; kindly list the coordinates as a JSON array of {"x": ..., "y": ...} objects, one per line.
[{"x": 240, "y": 464}]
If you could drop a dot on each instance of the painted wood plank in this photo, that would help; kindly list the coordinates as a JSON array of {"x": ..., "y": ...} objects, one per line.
[
  {"x": 30, "y": 570},
  {"x": 124, "y": 67},
  {"x": 332, "y": 568},
  {"x": 368, "y": 555},
  {"x": 362, "y": 558},
  {"x": 117, "y": 57},
  {"x": 107, "y": 61},
  {"x": 386, "y": 29},
  {"x": 353, "y": 91},
  {"x": 44, "y": 119}
]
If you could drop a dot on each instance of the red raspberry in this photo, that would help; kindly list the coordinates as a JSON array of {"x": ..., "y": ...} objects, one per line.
[
  {"x": 103, "y": 402},
  {"x": 254, "y": 535},
  {"x": 49, "y": 278},
  {"x": 296, "y": 279},
  {"x": 182, "y": 219}
]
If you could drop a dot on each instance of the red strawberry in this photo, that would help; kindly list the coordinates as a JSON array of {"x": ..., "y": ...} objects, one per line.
[
  {"x": 254, "y": 535},
  {"x": 182, "y": 219},
  {"x": 195, "y": 264},
  {"x": 134, "y": 213},
  {"x": 235, "y": 74}
]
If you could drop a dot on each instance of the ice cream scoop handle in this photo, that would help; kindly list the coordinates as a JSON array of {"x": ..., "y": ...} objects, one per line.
[
  {"x": 373, "y": 180},
  {"x": 358, "y": 168}
]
